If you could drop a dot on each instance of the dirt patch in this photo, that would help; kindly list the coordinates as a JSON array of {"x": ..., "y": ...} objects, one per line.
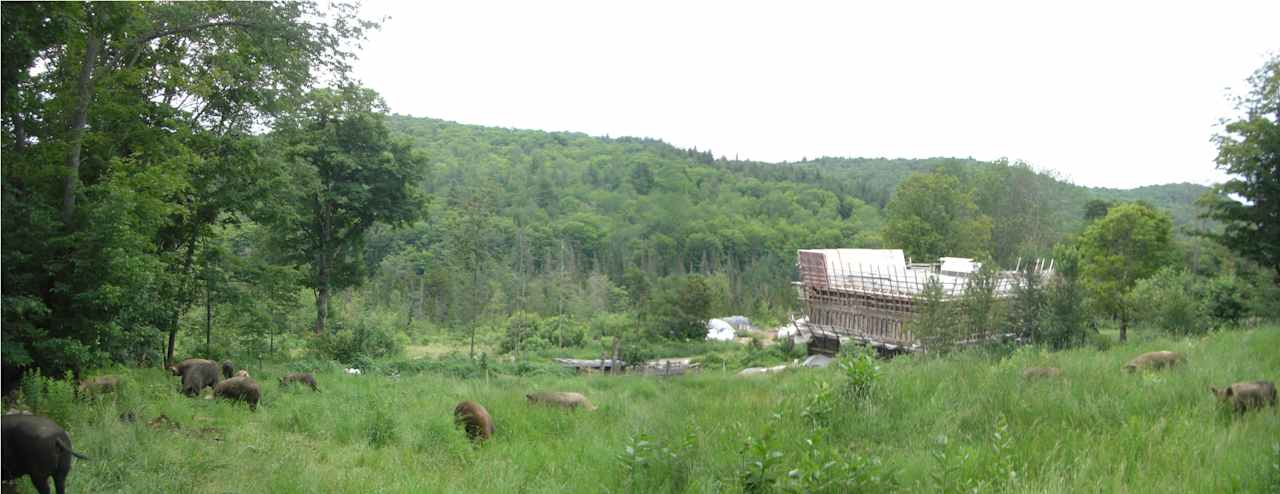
[
  {"x": 211, "y": 433},
  {"x": 163, "y": 422}
]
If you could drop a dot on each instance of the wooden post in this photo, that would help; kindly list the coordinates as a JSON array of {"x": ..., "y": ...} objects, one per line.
[{"x": 617, "y": 342}]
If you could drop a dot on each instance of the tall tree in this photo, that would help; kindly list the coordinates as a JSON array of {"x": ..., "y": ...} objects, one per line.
[
  {"x": 1248, "y": 204},
  {"x": 348, "y": 175},
  {"x": 1131, "y": 243},
  {"x": 1015, "y": 198},
  {"x": 931, "y": 215},
  {"x": 134, "y": 122}
]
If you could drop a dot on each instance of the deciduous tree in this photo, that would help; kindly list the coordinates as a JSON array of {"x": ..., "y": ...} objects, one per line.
[
  {"x": 1248, "y": 204},
  {"x": 348, "y": 174},
  {"x": 931, "y": 215},
  {"x": 1131, "y": 243}
]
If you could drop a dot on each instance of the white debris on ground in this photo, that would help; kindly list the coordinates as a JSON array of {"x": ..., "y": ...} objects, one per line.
[
  {"x": 353, "y": 371},
  {"x": 798, "y": 328},
  {"x": 739, "y": 322},
  {"x": 755, "y": 371},
  {"x": 817, "y": 361},
  {"x": 719, "y": 330}
]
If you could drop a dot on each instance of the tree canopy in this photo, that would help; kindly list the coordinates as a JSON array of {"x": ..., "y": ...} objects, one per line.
[
  {"x": 1248, "y": 203},
  {"x": 931, "y": 215},
  {"x": 1130, "y": 243}
]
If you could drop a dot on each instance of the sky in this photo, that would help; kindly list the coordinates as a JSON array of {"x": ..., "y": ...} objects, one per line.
[{"x": 1108, "y": 94}]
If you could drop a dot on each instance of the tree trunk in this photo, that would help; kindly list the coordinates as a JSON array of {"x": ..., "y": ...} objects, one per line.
[
  {"x": 322, "y": 308},
  {"x": 617, "y": 342},
  {"x": 173, "y": 336},
  {"x": 84, "y": 90},
  {"x": 19, "y": 133},
  {"x": 208, "y": 321},
  {"x": 1124, "y": 326}
]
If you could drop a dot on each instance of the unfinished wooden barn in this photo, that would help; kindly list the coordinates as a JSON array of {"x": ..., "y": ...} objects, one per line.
[{"x": 868, "y": 295}]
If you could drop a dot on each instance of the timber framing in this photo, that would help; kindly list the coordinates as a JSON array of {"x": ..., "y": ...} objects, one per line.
[{"x": 871, "y": 295}]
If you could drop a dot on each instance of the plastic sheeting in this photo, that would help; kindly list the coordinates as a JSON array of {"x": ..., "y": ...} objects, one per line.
[{"x": 719, "y": 330}]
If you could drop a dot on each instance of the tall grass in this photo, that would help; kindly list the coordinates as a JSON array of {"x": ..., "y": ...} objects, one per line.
[{"x": 947, "y": 424}]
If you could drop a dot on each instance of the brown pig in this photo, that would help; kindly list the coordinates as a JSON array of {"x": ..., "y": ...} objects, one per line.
[
  {"x": 1246, "y": 395},
  {"x": 1155, "y": 360},
  {"x": 475, "y": 419},
  {"x": 571, "y": 401},
  {"x": 241, "y": 388},
  {"x": 99, "y": 385}
]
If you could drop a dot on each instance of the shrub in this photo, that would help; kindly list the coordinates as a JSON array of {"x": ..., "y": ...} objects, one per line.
[
  {"x": 822, "y": 469},
  {"x": 981, "y": 311},
  {"x": 680, "y": 307},
  {"x": 816, "y": 468},
  {"x": 650, "y": 466},
  {"x": 526, "y": 332},
  {"x": 314, "y": 365},
  {"x": 819, "y": 407},
  {"x": 1029, "y": 305},
  {"x": 1226, "y": 301},
  {"x": 1171, "y": 300},
  {"x": 861, "y": 371},
  {"x": 356, "y": 346},
  {"x": 1065, "y": 315},
  {"x": 935, "y": 323},
  {"x": 53, "y": 398}
]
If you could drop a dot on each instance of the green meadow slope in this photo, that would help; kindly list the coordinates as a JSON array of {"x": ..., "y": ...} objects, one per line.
[{"x": 945, "y": 424}]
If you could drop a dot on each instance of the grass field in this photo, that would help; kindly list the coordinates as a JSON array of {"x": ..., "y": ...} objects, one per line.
[{"x": 948, "y": 424}]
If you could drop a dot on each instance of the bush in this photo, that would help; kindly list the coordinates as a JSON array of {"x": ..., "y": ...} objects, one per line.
[
  {"x": 861, "y": 372},
  {"x": 935, "y": 323},
  {"x": 356, "y": 346},
  {"x": 458, "y": 365},
  {"x": 1172, "y": 300},
  {"x": 680, "y": 307},
  {"x": 314, "y": 365},
  {"x": 53, "y": 398},
  {"x": 1065, "y": 324},
  {"x": 526, "y": 332},
  {"x": 1226, "y": 301}
]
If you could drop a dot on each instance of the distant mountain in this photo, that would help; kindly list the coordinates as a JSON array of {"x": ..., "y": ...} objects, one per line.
[
  {"x": 513, "y": 214},
  {"x": 1179, "y": 199}
]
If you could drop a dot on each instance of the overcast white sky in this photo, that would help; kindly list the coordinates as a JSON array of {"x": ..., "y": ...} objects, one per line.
[{"x": 1115, "y": 94}]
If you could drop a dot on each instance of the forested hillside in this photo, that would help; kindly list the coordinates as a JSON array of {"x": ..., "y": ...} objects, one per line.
[{"x": 565, "y": 223}]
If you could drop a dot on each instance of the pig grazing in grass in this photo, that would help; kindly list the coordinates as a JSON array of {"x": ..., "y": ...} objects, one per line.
[
  {"x": 475, "y": 419},
  {"x": 99, "y": 385},
  {"x": 37, "y": 447},
  {"x": 1246, "y": 395},
  {"x": 198, "y": 376},
  {"x": 572, "y": 401},
  {"x": 1154, "y": 360},
  {"x": 1041, "y": 372},
  {"x": 241, "y": 388},
  {"x": 300, "y": 377},
  {"x": 181, "y": 368}
]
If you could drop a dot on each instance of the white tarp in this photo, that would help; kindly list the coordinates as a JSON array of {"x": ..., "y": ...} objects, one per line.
[
  {"x": 719, "y": 330},
  {"x": 863, "y": 261},
  {"x": 959, "y": 265}
]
